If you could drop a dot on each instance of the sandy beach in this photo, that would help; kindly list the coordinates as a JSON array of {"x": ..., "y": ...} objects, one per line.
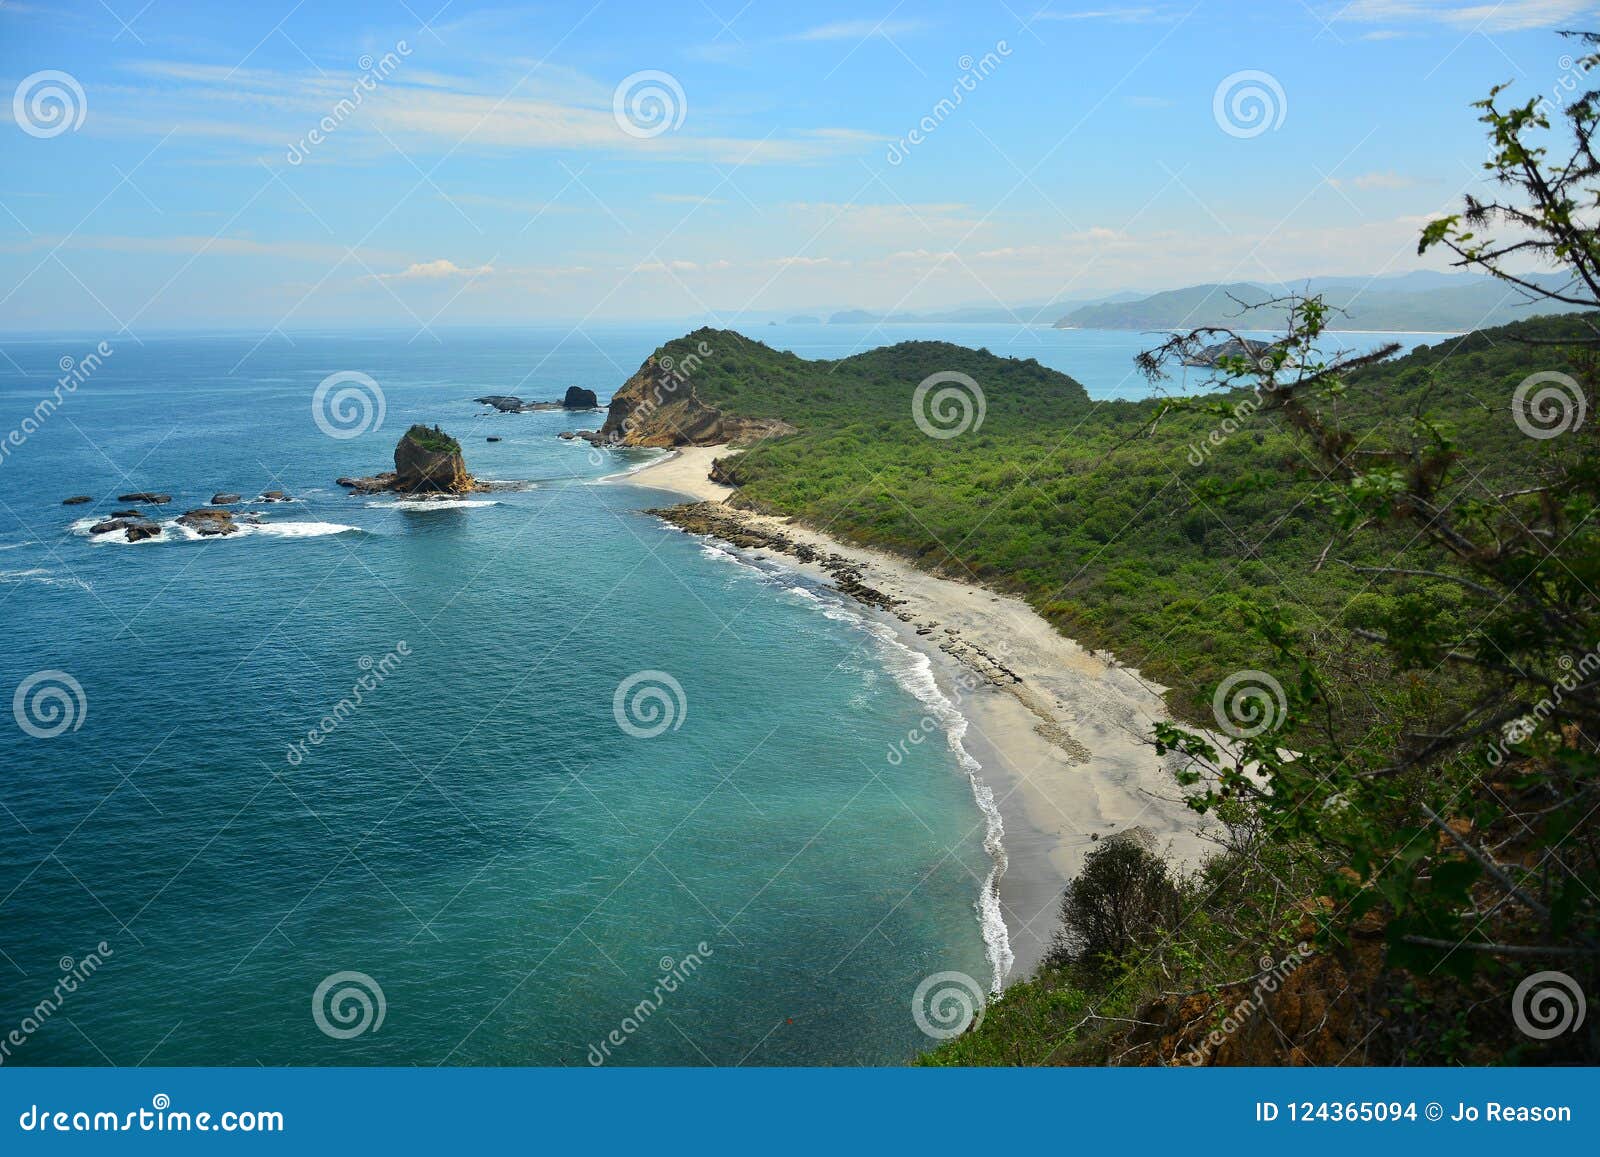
[{"x": 1062, "y": 734}]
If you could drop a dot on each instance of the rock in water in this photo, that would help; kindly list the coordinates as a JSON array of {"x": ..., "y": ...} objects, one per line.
[
  {"x": 209, "y": 522},
  {"x": 134, "y": 529},
  {"x": 273, "y": 496},
  {"x": 492, "y": 438},
  {"x": 146, "y": 496},
  {"x": 76, "y": 500},
  {"x": 429, "y": 460},
  {"x": 579, "y": 398},
  {"x": 222, "y": 499},
  {"x": 505, "y": 403}
]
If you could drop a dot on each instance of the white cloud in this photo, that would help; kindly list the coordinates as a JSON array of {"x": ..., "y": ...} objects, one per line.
[
  {"x": 1505, "y": 16},
  {"x": 1385, "y": 180},
  {"x": 434, "y": 271},
  {"x": 1114, "y": 15},
  {"x": 859, "y": 29}
]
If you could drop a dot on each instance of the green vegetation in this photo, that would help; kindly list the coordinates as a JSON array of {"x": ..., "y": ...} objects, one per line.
[
  {"x": 433, "y": 439},
  {"x": 1095, "y": 512},
  {"x": 1399, "y": 560}
]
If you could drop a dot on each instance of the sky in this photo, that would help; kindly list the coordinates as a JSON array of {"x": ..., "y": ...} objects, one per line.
[{"x": 416, "y": 163}]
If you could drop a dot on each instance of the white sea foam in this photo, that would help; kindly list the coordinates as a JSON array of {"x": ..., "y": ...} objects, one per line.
[
  {"x": 307, "y": 529},
  {"x": 913, "y": 671},
  {"x": 433, "y": 503},
  {"x": 174, "y": 531},
  {"x": 43, "y": 577}
]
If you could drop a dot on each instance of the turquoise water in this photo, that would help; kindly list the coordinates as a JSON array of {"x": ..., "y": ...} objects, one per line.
[{"x": 479, "y": 838}]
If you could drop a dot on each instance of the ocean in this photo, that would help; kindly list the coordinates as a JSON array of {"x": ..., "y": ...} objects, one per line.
[{"x": 525, "y": 778}]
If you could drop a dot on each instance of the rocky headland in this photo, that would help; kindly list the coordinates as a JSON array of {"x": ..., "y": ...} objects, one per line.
[{"x": 658, "y": 406}]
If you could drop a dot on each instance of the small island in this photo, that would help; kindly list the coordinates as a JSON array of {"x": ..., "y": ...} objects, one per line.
[
  {"x": 427, "y": 462},
  {"x": 576, "y": 398}
]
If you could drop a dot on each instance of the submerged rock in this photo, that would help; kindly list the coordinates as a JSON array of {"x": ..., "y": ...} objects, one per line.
[
  {"x": 505, "y": 403},
  {"x": 273, "y": 496},
  {"x": 76, "y": 500},
  {"x": 492, "y": 438}
]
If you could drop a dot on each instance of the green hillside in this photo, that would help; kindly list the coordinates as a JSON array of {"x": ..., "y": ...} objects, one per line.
[{"x": 1109, "y": 528}]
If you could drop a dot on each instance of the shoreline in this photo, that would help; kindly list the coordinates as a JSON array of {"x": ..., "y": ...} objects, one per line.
[{"x": 1059, "y": 735}]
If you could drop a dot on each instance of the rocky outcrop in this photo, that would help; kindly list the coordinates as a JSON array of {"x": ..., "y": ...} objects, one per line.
[
  {"x": 273, "y": 496},
  {"x": 658, "y": 406},
  {"x": 209, "y": 522},
  {"x": 76, "y": 500},
  {"x": 426, "y": 461},
  {"x": 133, "y": 529},
  {"x": 492, "y": 438},
  {"x": 148, "y": 497},
  {"x": 220, "y": 498},
  {"x": 577, "y": 398}
]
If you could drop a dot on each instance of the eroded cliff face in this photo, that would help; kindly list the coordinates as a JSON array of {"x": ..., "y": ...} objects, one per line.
[
  {"x": 429, "y": 460},
  {"x": 658, "y": 406}
]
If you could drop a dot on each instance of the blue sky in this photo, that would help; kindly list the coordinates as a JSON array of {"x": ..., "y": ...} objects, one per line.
[{"x": 488, "y": 175}]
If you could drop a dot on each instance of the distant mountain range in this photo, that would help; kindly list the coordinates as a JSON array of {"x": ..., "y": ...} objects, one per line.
[{"x": 1415, "y": 302}]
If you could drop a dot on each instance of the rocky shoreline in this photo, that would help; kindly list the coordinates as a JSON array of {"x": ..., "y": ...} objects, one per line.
[{"x": 759, "y": 532}]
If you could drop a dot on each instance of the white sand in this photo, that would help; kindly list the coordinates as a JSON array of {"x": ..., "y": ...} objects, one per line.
[{"x": 1101, "y": 776}]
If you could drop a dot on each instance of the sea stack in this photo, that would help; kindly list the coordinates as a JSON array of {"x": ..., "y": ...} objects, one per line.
[{"x": 427, "y": 460}]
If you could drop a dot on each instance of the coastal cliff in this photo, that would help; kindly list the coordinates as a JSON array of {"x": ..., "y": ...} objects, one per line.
[{"x": 660, "y": 406}]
